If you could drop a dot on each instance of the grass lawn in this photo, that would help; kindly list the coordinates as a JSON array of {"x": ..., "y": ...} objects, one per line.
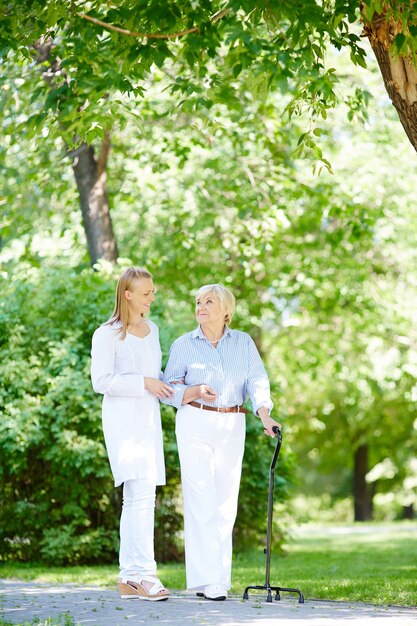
[
  {"x": 375, "y": 563},
  {"x": 364, "y": 562}
]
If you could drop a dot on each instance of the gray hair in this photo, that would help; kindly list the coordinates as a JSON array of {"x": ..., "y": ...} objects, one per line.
[{"x": 224, "y": 296}]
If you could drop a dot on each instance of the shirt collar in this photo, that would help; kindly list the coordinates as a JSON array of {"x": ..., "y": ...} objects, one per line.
[{"x": 197, "y": 333}]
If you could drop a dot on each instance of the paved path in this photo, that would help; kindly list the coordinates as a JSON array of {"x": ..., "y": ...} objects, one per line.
[{"x": 22, "y": 602}]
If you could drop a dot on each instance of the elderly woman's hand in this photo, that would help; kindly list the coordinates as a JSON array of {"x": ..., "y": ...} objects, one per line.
[
  {"x": 268, "y": 422},
  {"x": 207, "y": 393}
]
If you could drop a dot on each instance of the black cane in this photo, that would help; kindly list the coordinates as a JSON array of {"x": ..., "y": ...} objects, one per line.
[
  {"x": 267, "y": 550},
  {"x": 271, "y": 490}
]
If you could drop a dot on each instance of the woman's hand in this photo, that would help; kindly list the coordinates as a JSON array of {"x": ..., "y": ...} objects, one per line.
[
  {"x": 208, "y": 394},
  {"x": 267, "y": 421},
  {"x": 157, "y": 388}
]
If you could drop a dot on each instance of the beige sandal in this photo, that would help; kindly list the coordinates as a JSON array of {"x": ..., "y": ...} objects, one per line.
[{"x": 134, "y": 588}]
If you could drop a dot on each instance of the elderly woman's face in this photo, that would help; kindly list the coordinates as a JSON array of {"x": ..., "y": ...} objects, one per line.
[{"x": 208, "y": 309}]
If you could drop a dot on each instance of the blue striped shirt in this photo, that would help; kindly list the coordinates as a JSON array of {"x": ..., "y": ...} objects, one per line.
[{"x": 234, "y": 369}]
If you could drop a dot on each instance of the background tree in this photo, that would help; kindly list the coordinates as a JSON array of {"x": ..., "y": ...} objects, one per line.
[
  {"x": 213, "y": 53},
  {"x": 391, "y": 28},
  {"x": 110, "y": 50},
  {"x": 350, "y": 330}
]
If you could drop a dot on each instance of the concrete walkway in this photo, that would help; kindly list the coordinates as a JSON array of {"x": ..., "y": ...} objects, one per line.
[{"x": 70, "y": 605}]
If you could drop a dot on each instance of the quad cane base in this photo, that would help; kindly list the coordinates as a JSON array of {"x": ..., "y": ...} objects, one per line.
[{"x": 277, "y": 592}]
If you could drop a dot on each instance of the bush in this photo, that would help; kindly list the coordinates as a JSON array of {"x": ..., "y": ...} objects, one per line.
[{"x": 57, "y": 485}]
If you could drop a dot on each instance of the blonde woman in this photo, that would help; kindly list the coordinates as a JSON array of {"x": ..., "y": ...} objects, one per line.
[
  {"x": 213, "y": 369},
  {"x": 125, "y": 368}
]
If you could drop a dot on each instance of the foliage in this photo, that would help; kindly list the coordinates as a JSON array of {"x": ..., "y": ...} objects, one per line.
[
  {"x": 37, "y": 186},
  {"x": 91, "y": 56},
  {"x": 243, "y": 48},
  {"x": 350, "y": 327},
  {"x": 56, "y": 495}
]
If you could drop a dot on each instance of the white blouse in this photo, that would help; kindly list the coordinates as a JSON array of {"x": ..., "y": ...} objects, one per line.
[{"x": 131, "y": 415}]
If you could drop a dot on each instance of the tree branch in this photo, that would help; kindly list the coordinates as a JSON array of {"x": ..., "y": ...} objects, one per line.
[{"x": 218, "y": 16}]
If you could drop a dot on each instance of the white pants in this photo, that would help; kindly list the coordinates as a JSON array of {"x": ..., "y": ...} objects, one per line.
[
  {"x": 136, "y": 529},
  {"x": 210, "y": 447}
]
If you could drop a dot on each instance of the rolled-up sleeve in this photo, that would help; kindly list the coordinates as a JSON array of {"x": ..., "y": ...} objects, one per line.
[
  {"x": 175, "y": 371},
  {"x": 258, "y": 382},
  {"x": 103, "y": 377}
]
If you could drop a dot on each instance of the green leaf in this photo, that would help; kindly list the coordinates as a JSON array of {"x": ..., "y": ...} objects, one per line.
[
  {"x": 399, "y": 42},
  {"x": 237, "y": 69}
]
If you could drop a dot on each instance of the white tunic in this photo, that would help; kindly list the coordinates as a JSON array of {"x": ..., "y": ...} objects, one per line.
[{"x": 131, "y": 416}]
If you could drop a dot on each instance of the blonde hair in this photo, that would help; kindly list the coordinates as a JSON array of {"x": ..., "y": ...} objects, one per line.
[
  {"x": 224, "y": 296},
  {"x": 121, "y": 311}
]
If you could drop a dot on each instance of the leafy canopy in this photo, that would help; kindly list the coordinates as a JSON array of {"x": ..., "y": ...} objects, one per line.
[{"x": 213, "y": 52}]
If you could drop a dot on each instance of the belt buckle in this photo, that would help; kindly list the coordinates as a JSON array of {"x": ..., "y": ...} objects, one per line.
[{"x": 218, "y": 409}]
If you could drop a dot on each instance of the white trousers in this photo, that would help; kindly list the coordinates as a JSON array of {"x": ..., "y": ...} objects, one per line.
[
  {"x": 210, "y": 447},
  {"x": 136, "y": 529}
]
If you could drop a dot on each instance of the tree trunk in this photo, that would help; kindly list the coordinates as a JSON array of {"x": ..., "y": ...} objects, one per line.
[
  {"x": 361, "y": 493},
  {"x": 399, "y": 72},
  {"x": 91, "y": 175},
  {"x": 408, "y": 511}
]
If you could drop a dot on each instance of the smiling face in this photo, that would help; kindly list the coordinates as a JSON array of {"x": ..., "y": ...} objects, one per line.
[
  {"x": 208, "y": 309},
  {"x": 140, "y": 296}
]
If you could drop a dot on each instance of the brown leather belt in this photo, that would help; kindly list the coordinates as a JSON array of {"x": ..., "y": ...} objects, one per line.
[{"x": 220, "y": 409}]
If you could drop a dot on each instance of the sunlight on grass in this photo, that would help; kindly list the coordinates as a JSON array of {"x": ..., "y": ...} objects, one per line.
[{"x": 370, "y": 566}]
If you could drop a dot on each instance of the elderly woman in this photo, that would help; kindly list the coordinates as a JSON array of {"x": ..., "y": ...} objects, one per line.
[{"x": 213, "y": 369}]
